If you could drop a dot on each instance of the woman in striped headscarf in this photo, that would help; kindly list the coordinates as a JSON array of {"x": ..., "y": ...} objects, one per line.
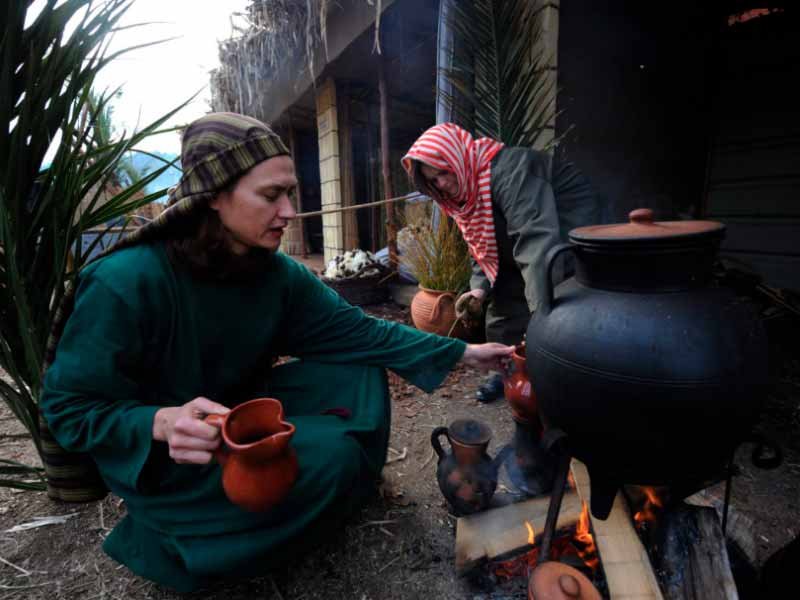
[
  {"x": 512, "y": 205},
  {"x": 181, "y": 320}
]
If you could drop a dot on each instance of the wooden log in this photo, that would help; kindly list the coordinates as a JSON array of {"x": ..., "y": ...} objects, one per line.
[
  {"x": 688, "y": 551},
  {"x": 740, "y": 527},
  {"x": 627, "y": 568},
  {"x": 500, "y": 532}
]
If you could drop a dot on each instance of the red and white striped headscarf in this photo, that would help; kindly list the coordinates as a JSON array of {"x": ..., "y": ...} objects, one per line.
[{"x": 449, "y": 147}]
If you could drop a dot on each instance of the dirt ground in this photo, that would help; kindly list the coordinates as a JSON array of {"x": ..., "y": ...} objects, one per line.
[{"x": 400, "y": 546}]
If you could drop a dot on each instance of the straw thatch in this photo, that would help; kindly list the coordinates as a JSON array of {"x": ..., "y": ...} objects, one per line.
[{"x": 275, "y": 31}]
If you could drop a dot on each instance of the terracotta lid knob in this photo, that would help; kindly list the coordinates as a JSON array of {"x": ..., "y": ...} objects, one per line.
[
  {"x": 556, "y": 581},
  {"x": 643, "y": 216},
  {"x": 570, "y": 586}
]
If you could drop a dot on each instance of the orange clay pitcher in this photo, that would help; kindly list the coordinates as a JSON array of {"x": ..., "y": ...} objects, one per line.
[
  {"x": 258, "y": 465},
  {"x": 518, "y": 390}
]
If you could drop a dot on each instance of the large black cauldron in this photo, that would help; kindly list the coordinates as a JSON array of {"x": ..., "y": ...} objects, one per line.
[{"x": 654, "y": 372}]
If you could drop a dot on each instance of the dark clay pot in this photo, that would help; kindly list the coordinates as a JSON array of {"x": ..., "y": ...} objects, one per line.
[
  {"x": 653, "y": 371},
  {"x": 467, "y": 476}
]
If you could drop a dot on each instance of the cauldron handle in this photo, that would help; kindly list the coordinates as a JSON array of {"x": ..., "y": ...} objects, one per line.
[{"x": 550, "y": 261}]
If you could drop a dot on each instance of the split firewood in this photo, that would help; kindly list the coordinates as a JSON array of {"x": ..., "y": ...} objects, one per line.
[
  {"x": 500, "y": 532},
  {"x": 626, "y": 565},
  {"x": 739, "y": 528},
  {"x": 688, "y": 550}
]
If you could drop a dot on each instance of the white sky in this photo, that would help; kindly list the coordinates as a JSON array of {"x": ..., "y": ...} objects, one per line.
[{"x": 159, "y": 78}]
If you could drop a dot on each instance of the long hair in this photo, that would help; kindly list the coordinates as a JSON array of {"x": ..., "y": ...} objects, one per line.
[{"x": 202, "y": 246}]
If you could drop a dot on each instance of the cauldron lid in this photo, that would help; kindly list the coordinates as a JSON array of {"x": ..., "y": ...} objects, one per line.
[{"x": 642, "y": 227}]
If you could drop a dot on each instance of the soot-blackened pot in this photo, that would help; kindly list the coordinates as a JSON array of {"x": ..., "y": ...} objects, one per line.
[{"x": 653, "y": 371}]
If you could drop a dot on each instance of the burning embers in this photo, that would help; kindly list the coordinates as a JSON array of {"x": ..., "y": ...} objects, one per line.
[
  {"x": 652, "y": 507},
  {"x": 574, "y": 546}
]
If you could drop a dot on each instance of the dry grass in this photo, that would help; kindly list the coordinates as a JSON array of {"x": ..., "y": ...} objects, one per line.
[{"x": 437, "y": 256}]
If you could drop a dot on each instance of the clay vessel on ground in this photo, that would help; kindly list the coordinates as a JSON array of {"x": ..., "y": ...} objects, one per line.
[{"x": 467, "y": 476}]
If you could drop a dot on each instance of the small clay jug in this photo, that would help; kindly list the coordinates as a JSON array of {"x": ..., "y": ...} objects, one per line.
[
  {"x": 519, "y": 391},
  {"x": 258, "y": 465},
  {"x": 468, "y": 476}
]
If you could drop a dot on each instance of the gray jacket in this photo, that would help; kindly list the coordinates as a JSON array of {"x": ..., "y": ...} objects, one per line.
[{"x": 536, "y": 201}]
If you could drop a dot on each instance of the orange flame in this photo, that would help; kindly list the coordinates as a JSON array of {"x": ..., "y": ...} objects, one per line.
[
  {"x": 649, "y": 511},
  {"x": 531, "y": 532},
  {"x": 580, "y": 543},
  {"x": 583, "y": 534}
]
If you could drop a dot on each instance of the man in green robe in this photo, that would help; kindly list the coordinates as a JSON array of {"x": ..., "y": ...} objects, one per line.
[{"x": 183, "y": 319}]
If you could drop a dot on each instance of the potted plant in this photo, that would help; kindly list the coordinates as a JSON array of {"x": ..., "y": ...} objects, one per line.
[{"x": 438, "y": 258}]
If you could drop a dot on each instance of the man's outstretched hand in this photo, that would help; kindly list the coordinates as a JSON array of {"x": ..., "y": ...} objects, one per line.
[{"x": 487, "y": 357}]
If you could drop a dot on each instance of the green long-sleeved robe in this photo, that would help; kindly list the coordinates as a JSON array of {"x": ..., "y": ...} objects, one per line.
[
  {"x": 145, "y": 335},
  {"x": 535, "y": 202}
]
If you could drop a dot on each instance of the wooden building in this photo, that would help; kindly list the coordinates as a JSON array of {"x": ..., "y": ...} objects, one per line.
[{"x": 689, "y": 111}]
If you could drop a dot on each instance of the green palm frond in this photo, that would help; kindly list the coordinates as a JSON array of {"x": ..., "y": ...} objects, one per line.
[
  {"x": 16, "y": 475},
  {"x": 47, "y": 70},
  {"x": 499, "y": 70}
]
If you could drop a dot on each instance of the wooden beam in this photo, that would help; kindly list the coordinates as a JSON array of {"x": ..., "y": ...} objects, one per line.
[
  {"x": 298, "y": 190},
  {"x": 375, "y": 213},
  {"x": 626, "y": 565},
  {"x": 349, "y": 220},
  {"x": 388, "y": 188}
]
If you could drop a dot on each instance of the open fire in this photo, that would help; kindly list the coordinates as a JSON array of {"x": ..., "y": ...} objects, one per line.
[
  {"x": 575, "y": 546},
  {"x": 652, "y": 506}
]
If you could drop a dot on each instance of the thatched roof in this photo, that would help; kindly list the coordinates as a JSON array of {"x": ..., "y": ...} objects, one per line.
[{"x": 276, "y": 32}]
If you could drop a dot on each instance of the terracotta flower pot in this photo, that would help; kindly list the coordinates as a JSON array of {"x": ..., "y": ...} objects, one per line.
[
  {"x": 434, "y": 311},
  {"x": 258, "y": 466}
]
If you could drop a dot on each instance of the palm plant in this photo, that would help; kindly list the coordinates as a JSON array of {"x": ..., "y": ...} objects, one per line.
[
  {"x": 104, "y": 132},
  {"x": 498, "y": 83},
  {"x": 46, "y": 76}
]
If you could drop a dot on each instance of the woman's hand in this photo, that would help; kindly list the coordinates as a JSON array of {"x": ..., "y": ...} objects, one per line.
[
  {"x": 469, "y": 307},
  {"x": 190, "y": 439},
  {"x": 487, "y": 357}
]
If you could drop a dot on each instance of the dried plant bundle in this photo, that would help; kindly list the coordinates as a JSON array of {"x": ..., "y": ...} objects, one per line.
[{"x": 436, "y": 254}]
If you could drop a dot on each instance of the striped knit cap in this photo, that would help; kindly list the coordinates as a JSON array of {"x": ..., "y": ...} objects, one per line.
[
  {"x": 449, "y": 147},
  {"x": 216, "y": 150}
]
